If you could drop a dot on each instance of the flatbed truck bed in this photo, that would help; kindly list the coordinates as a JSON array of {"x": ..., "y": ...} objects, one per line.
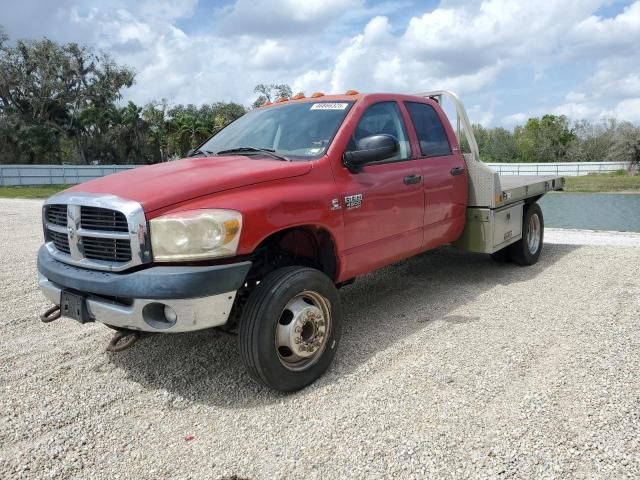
[{"x": 522, "y": 187}]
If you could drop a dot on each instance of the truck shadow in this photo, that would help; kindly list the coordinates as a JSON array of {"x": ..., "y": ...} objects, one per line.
[{"x": 380, "y": 309}]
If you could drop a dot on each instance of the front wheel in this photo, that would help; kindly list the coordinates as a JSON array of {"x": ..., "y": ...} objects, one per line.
[
  {"x": 526, "y": 251},
  {"x": 290, "y": 328}
]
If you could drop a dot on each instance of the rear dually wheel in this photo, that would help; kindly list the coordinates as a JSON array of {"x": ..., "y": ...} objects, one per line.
[{"x": 526, "y": 251}]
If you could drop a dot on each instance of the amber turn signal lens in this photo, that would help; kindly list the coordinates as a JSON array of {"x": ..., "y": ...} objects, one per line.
[
  {"x": 231, "y": 227},
  {"x": 317, "y": 94}
]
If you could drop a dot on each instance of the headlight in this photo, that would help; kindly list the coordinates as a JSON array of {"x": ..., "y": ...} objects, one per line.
[{"x": 195, "y": 235}]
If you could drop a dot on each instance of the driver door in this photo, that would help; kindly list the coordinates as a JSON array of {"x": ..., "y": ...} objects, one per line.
[{"x": 383, "y": 203}]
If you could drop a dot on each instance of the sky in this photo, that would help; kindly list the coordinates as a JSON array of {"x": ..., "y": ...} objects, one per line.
[{"x": 508, "y": 59}]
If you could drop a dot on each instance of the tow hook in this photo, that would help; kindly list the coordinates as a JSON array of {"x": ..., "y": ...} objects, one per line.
[
  {"x": 50, "y": 315},
  {"x": 124, "y": 339}
]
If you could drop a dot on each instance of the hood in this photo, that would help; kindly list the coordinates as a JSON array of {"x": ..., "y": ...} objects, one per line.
[{"x": 165, "y": 184}]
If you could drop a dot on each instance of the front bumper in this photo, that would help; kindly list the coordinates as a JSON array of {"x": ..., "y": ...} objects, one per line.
[{"x": 201, "y": 297}]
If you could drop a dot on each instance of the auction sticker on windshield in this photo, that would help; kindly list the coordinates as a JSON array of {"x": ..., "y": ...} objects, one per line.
[{"x": 329, "y": 106}]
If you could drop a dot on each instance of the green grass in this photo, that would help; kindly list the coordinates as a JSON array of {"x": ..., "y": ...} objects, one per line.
[
  {"x": 43, "y": 191},
  {"x": 603, "y": 183}
]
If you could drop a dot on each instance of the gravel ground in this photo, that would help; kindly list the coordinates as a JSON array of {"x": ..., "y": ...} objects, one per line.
[{"x": 450, "y": 365}]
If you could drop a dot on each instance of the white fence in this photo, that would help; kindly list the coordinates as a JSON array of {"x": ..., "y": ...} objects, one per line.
[
  {"x": 55, "y": 174},
  {"x": 11, "y": 175}
]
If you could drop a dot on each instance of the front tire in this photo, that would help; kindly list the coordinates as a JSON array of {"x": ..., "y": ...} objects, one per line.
[
  {"x": 526, "y": 251},
  {"x": 290, "y": 328}
]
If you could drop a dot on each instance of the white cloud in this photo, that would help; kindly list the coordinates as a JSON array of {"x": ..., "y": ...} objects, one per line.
[
  {"x": 628, "y": 110},
  {"x": 559, "y": 56},
  {"x": 480, "y": 114},
  {"x": 376, "y": 59},
  {"x": 271, "y": 54},
  {"x": 185, "y": 68},
  {"x": 604, "y": 34},
  {"x": 616, "y": 77},
  {"x": 312, "y": 81},
  {"x": 283, "y": 18},
  {"x": 475, "y": 36},
  {"x": 466, "y": 47},
  {"x": 613, "y": 88},
  {"x": 625, "y": 110},
  {"x": 166, "y": 9},
  {"x": 514, "y": 119},
  {"x": 575, "y": 97},
  {"x": 576, "y": 111}
]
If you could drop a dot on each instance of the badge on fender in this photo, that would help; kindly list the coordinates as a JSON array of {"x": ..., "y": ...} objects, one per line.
[{"x": 353, "y": 201}]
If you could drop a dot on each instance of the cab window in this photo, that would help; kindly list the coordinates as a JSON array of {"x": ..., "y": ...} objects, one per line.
[
  {"x": 429, "y": 129},
  {"x": 383, "y": 117}
]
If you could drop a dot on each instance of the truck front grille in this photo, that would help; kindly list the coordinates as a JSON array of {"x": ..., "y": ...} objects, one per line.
[
  {"x": 57, "y": 214},
  {"x": 106, "y": 249},
  {"x": 103, "y": 219},
  {"x": 95, "y": 236},
  {"x": 60, "y": 240}
]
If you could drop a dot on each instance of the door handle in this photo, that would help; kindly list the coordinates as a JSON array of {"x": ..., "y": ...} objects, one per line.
[
  {"x": 457, "y": 171},
  {"x": 411, "y": 179}
]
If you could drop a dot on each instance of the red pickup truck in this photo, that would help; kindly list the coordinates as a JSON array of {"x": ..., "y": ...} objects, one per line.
[{"x": 257, "y": 230}]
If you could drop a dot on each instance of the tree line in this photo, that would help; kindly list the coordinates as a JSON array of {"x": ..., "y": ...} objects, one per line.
[
  {"x": 554, "y": 138},
  {"x": 62, "y": 103}
]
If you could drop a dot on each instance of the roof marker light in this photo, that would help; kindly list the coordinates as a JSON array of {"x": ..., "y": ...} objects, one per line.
[
  {"x": 282, "y": 99},
  {"x": 317, "y": 94},
  {"x": 298, "y": 96},
  {"x": 351, "y": 92}
]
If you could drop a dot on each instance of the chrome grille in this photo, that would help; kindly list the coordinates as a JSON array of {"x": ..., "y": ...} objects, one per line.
[
  {"x": 60, "y": 240},
  {"x": 102, "y": 219},
  {"x": 57, "y": 214},
  {"x": 101, "y": 232},
  {"x": 106, "y": 249}
]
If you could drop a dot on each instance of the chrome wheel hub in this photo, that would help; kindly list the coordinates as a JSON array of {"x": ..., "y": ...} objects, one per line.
[
  {"x": 302, "y": 331},
  {"x": 534, "y": 233}
]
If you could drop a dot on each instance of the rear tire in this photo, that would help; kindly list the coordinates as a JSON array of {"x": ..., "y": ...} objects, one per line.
[
  {"x": 526, "y": 251},
  {"x": 290, "y": 328}
]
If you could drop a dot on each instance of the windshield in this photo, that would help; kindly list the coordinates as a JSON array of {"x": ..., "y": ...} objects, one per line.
[{"x": 294, "y": 130}]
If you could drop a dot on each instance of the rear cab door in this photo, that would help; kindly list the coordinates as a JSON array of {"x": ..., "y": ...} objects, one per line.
[
  {"x": 383, "y": 204},
  {"x": 444, "y": 173}
]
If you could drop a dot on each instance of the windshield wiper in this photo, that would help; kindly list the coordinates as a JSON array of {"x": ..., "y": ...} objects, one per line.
[
  {"x": 266, "y": 151},
  {"x": 197, "y": 151}
]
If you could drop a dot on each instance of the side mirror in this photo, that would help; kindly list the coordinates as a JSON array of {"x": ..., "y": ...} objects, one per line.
[{"x": 370, "y": 149}]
